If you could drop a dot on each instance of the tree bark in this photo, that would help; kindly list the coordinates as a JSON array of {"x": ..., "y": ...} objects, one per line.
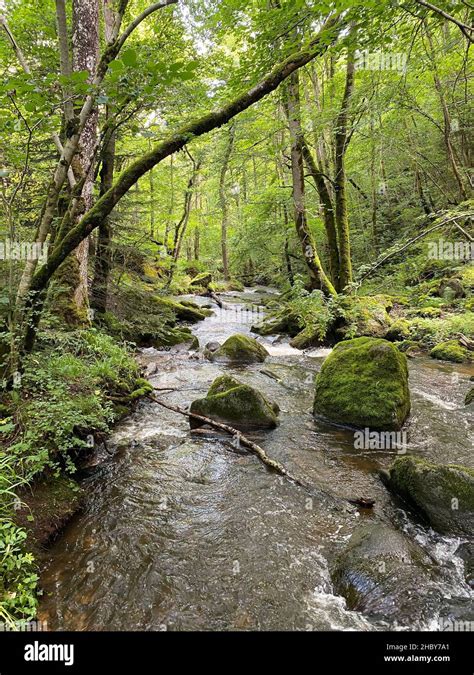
[
  {"x": 223, "y": 201},
  {"x": 317, "y": 275},
  {"x": 340, "y": 183}
]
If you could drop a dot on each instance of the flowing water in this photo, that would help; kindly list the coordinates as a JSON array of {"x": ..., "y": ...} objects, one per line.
[{"x": 181, "y": 533}]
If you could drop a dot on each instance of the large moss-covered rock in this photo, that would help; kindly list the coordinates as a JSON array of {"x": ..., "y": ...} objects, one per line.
[
  {"x": 442, "y": 494},
  {"x": 307, "y": 338},
  {"x": 364, "y": 315},
  {"x": 239, "y": 348},
  {"x": 384, "y": 574},
  {"x": 364, "y": 383},
  {"x": 450, "y": 351},
  {"x": 232, "y": 402}
]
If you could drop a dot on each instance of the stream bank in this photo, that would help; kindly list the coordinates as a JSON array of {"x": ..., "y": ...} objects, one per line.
[{"x": 177, "y": 533}]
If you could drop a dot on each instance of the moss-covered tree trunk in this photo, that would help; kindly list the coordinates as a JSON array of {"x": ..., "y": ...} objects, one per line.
[
  {"x": 317, "y": 275},
  {"x": 342, "y": 138}
]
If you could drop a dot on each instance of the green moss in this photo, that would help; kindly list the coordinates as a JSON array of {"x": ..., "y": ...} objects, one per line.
[
  {"x": 282, "y": 322},
  {"x": 450, "y": 351},
  {"x": 232, "y": 402},
  {"x": 365, "y": 316},
  {"x": 398, "y": 331},
  {"x": 183, "y": 311},
  {"x": 444, "y": 494},
  {"x": 241, "y": 349},
  {"x": 364, "y": 383},
  {"x": 201, "y": 280}
]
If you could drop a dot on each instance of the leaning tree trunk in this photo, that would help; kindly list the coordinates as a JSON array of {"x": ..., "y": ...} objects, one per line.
[
  {"x": 317, "y": 275},
  {"x": 102, "y": 208},
  {"x": 223, "y": 201}
]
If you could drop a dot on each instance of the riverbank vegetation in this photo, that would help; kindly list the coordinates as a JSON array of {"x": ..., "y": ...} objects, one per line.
[{"x": 149, "y": 151}]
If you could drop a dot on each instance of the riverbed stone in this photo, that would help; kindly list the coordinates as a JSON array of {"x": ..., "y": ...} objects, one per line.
[
  {"x": 239, "y": 348},
  {"x": 364, "y": 383},
  {"x": 469, "y": 397},
  {"x": 383, "y": 573},
  {"x": 232, "y": 402},
  {"x": 442, "y": 494}
]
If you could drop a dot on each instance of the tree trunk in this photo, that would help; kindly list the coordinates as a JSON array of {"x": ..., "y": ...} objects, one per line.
[
  {"x": 223, "y": 200},
  {"x": 340, "y": 183},
  {"x": 317, "y": 275},
  {"x": 85, "y": 43}
]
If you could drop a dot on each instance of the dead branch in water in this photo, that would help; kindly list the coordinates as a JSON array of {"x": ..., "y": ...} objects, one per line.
[
  {"x": 260, "y": 453},
  {"x": 243, "y": 440}
]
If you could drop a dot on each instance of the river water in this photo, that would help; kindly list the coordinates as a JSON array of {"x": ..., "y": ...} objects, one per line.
[{"x": 181, "y": 533}]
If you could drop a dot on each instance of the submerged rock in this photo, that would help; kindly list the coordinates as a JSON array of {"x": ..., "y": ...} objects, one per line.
[
  {"x": 364, "y": 383},
  {"x": 231, "y": 402},
  {"x": 385, "y": 575},
  {"x": 443, "y": 494},
  {"x": 239, "y": 348},
  {"x": 450, "y": 351}
]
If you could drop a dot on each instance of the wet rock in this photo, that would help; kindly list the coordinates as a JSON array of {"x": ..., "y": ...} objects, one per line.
[
  {"x": 364, "y": 383},
  {"x": 239, "y": 348},
  {"x": 212, "y": 346},
  {"x": 442, "y": 494},
  {"x": 183, "y": 311},
  {"x": 469, "y": 397},
  {"x": 450, "y": 351},
  {"x": 385, "y": 575},
  {"x": 466, "y": 553},
  {"x": 307, "y": 338},
  {"x": 231, "y": 402}
]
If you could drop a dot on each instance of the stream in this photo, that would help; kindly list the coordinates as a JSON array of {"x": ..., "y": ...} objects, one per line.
[{"x": 179, "y": 533}]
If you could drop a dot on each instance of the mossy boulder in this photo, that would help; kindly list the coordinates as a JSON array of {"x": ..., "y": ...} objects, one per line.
[
  {"x": 450, "y": 289},
  {"x": 307, "y": 338},
  {"x": 183, "y": 311},
  {"x": 283, "y": 322},
  {"x": 450, "y": 351},
  {"x": 398, "y": 331},
  {"x": 364, "y": 383},
  {"x": 443, "y": 494},
  {"x": 231, "y": 402},
  {"x": 239, "y": 348},
  {"x": 364, "y": 316},
  {"x": 384, "y": 574},
  {"x": 201, "y": 280},
  {"x": 178, "y": 336},
  {"x": 469, "y": 397}
]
